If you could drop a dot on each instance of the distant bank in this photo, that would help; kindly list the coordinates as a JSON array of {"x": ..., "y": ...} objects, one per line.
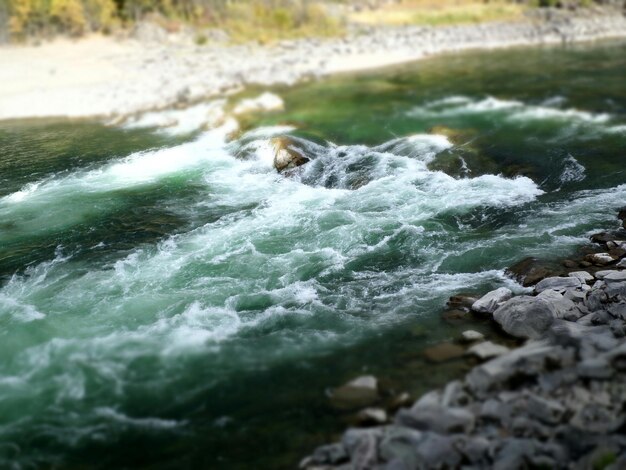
[{"x": 104, "y": 77}]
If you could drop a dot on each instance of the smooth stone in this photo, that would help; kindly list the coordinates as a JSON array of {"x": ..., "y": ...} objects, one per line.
[
  {"x": 621, "y": 264},
  {"x": 332, "y": 454},
  {"x": 487, "y": 350},
  {"x": 601, "y": 274},
  {"x": 584, "y": 276},
  {"x": 559, "y": 284},
  {"x": 362, "y": 446},
  {"x": 615, "y": 276},
  {"x": 489, "y": 302},
  {"x": 472, "y": 335},
  {"x": 372, "y": 416},
  {"x": 443, "y": 352},
  {"x": 525, "y": 317},
  {"x": 595, "y": 368},
  {"x": 359, "y": 392}
]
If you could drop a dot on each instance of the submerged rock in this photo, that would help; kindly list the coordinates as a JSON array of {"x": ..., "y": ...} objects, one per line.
[
  {"x": 362, "y": 391},
  {"x": 472, "y": 335},
  {"x": 528, "y": 271},
  {"x": 287, "y": 155},
  {"x": 443, "y": 352}
]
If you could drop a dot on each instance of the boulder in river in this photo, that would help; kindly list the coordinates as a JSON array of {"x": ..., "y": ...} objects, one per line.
[
  {"x": 287, "y": 155},
  {"x": 529, "y": 271},
  {"x": 489, "y": 302}
]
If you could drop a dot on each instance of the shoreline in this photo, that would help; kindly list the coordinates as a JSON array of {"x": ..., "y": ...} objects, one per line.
[
  {"x": 553, "y": 400},
  {"x": 102, "y": 78}
]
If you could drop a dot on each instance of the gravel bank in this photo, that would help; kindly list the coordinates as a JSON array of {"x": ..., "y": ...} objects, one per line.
[
  {"x": 558, "y": 401},
  {"x": 102, "y": 77}
]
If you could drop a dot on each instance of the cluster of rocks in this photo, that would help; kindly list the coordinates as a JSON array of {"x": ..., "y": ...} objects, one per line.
[{"x": 557, "y": 401}]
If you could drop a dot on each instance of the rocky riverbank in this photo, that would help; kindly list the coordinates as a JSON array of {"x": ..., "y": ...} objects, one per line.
[
  {"x": 557, "y": 401},
  {"x": 104, "y": 77}
]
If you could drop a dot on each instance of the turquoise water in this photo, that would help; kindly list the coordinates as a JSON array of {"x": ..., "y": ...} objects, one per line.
[{"x": 164, "y": 304}]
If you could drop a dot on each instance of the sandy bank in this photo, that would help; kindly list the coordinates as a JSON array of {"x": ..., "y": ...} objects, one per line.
[{"x": 101, "y": 76}]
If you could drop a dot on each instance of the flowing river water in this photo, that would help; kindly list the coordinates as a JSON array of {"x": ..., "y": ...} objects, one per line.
[{"x": 170, "y": 301}]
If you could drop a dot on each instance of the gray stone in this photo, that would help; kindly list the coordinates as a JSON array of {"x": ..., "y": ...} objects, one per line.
[
  {"x": 583, "y": 276},
  {"x": 439, "y": 419},
  {"x": 615, "y": 276},
  {"x": 595, "y": 368},
  {"x": 332, "y": 454},
  {"x": 525, "y": 317},
  {"x": 547, "y": 411},
  {"x": 601, "y": 274},
  {"x": 621, "y": 264},
  {"x": 437, "y": 451},
  {"x": 487, "y": 350},
  {"x": 362, "y": 447},
  {"x": 400, "y": 443},
  {"x": 489, "y": 302},
  {"x": 559, "y": 284}
]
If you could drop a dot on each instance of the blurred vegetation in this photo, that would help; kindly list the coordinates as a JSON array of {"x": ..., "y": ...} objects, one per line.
[{"x": 243, "y": 20}]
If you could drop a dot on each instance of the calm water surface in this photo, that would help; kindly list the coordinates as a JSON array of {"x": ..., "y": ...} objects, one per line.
[{"x": 164, "y": 304}]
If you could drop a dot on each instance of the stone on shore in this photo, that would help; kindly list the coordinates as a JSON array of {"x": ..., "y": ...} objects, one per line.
[
  {"x": 584, "y": 276},
  {"x": 525, "y": 317},
  {"x": 559, "y": 284},
  {"x": 489, "y": 302},
  {"x": 600, "y": 259}
]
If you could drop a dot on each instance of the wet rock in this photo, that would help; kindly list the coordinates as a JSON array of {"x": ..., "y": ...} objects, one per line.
[
  {"x": 529, "y": 271},
  {"x": 489, "y": 302},
  {"x": 470, "y": 336},
  {"x": 455, "y": 316},
  {"x": 600, "y": 259},
  {"x": 487, "y": 350},
  {"x": 287, "y": 155},
  {"x": 443, "y": 352},
  {"x": 461, "y": 301},
  {"x": 357, "y": 393},
  {"x": 559, "y": 284},
  {"x": 525, "y": 317}
]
